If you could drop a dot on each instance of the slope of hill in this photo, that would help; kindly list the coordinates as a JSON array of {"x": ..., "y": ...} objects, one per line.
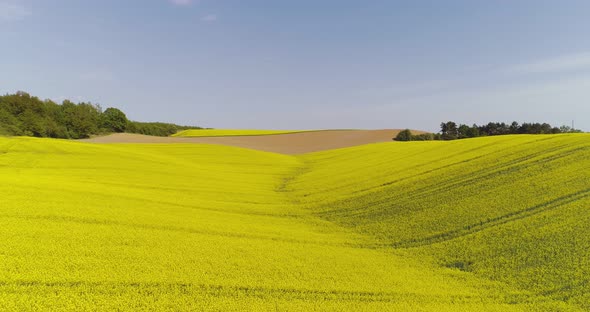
[
  {"x": 490, "y": 224},
  {"x": 191, "y": 133},
  {"x": 290, "y": 143},
  {"x": 512, "y": 209}
]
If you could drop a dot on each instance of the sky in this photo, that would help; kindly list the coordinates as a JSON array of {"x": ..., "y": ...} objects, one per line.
[{"x": 305, "y": 64}]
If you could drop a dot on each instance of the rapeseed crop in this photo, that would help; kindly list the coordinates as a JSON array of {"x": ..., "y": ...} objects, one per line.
[
  {"x": 512, "y": 209},
  {"x": 490, "y": 224}
]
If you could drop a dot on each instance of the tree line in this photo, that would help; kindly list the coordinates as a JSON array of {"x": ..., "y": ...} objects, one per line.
[
  {"x": 24, "y": 115},
  {"x": 452, "y": 131}
]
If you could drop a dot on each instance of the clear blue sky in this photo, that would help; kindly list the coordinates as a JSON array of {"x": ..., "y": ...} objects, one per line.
[{"x": 305, "y": 64}]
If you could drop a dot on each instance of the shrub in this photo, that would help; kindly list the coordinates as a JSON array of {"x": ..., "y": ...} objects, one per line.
[
  {"x": 404, "y": 135},
  {"x": 423, "y": 137}
]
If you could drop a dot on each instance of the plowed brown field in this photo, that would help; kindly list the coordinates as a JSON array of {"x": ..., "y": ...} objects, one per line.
[{"x": 292, "y": 143}]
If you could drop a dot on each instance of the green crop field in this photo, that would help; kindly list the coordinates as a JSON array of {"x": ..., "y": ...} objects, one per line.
[
  {"x": 230, "y": 132},
  {"x": 488, "y": 224}
]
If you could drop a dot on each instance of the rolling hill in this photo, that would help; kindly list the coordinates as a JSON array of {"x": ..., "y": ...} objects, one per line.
[
  {"x": 487, "y": 224},
  {"x": 231, "y": 132},
  {"x": 512, "y": 209},
  {"x": 298, "y": 142}
]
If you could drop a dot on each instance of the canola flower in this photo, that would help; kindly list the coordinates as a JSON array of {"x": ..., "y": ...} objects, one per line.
[{"x": 489, "y": 224}]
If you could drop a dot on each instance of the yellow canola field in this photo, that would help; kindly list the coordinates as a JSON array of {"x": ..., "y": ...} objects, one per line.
[
  {"x": 231, "y": 132},
  {"x": 187, "y": 227},
  {"x": 513, "y": 209}
]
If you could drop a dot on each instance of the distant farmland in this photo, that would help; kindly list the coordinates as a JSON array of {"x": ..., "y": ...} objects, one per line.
[
  {"x": 485, "y": 224},
  {"x": 299, "y": 142},
  {"x": 230, "y": 132}
]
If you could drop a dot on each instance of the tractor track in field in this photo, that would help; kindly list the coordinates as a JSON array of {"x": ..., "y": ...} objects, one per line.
[
  {"x": 189, "y": 288},
  {"x": 494, "y": 222}
]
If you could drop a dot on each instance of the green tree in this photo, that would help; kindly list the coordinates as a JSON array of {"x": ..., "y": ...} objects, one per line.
[
  {"x": 114, "y": 120},
  {"x": 463, "y": 131},
  {"x": 23, "y": 114},
  {"x": 449, "y": 130},
  {"x": 404, "y": 135},
  {"x": 473, "y": 131},
  {"x": 514, "y": 127},
  {"x": 9, "y": 125},
  {"x": 32, "y": 124},
  {"x": 423, "y": 137},
  {"x": 81, "y": 120}
]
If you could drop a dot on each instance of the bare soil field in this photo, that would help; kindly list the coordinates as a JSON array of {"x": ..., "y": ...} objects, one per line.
[{"x": 291, "y": 143}]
